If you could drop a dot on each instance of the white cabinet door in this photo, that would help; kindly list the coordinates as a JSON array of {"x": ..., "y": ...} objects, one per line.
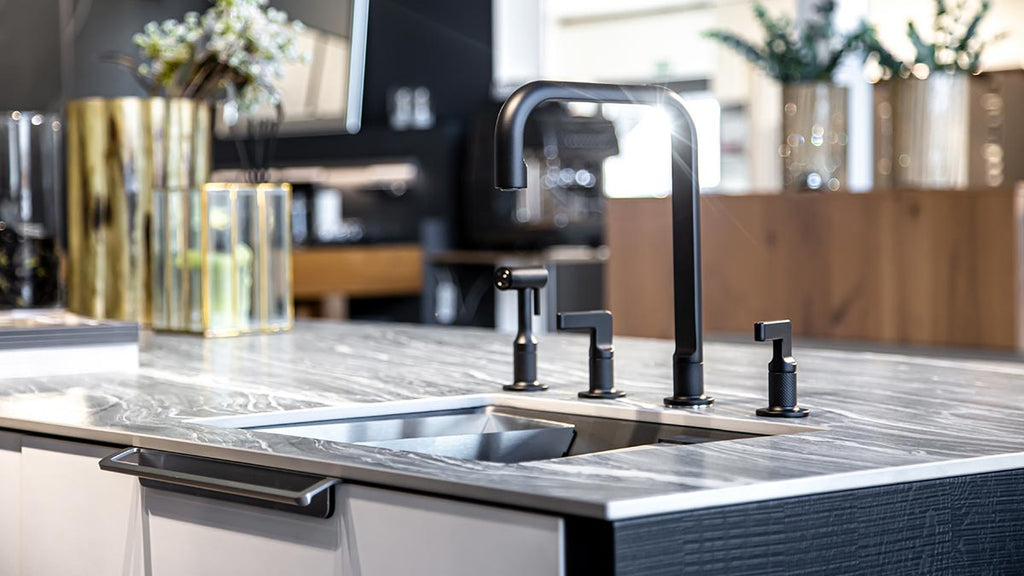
[
  {"x": 76, "y": 519},
  {"x": 373, "y": 532},
  {"x": 392, "y": 533},
  {"x": 10, "y": 503},
  {"x": 196, "y": 536}
]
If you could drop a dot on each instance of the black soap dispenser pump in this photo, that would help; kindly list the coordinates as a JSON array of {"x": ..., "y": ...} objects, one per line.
[{"x": 781, "y": 370}]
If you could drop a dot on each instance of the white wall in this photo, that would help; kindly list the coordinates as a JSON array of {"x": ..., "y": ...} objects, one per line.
[
  {"x": 890, "y": 17},
  {"x": 648, "y": 40}
]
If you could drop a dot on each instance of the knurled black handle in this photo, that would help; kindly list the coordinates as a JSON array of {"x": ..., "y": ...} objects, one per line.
[{"x": 782, "y": 401}]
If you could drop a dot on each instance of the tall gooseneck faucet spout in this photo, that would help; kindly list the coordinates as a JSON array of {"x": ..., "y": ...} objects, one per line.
[{"x": 510, "y": 174}]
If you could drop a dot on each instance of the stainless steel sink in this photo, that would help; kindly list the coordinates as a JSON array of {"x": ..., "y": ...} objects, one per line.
[
  {"x": 471, "y": 435},
  {"x": 504, "y": 428}
]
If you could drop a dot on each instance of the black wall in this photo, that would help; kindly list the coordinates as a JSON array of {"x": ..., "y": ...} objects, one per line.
[
  {"x": 444, "y": 45},
  {"x": 30, "y": 49},
  {"x": 49, "y": 56}
]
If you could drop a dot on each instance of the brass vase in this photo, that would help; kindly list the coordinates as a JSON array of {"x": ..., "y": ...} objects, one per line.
[
  {"x": 813, "y": 150},
  {"x": 120, "y": 151}
]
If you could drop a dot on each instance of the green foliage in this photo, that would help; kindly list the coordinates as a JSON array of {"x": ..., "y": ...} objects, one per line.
[
  {"x": 811, "y": 53},
  {"x": 954, "y": 45}
]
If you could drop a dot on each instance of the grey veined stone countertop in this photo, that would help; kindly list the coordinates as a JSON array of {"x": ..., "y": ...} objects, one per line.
[{"x": 878, "y": 418}]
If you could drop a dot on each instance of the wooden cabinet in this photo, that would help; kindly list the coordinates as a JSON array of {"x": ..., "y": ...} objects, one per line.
[
  {"x": 373, "y": 532},
  {"x": 76, "y": 520}
]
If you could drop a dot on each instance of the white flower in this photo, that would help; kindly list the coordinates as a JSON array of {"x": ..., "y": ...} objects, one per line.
[{"x": 248, "y": 39}]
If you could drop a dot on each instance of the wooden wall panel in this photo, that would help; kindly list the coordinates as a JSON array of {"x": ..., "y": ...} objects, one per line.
[{"x": 927, "y": 267}]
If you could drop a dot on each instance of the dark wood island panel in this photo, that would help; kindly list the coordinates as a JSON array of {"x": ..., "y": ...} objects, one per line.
[{"x": 959, "y": 526}]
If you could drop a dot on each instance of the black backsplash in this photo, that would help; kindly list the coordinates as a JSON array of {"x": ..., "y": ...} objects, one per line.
[{"x": 444, "y": 45}]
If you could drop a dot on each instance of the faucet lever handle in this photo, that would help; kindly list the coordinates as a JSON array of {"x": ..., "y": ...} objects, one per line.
[
  {"x": 599, "y": 324},
  {"x": 780, "y": 332},
  {"x": 782, "y": 401}
]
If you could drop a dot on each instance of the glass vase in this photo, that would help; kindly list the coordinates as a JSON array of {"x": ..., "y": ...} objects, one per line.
[
  {"x": 221, "y": 259},
  {"x": 31, "y": 191}
]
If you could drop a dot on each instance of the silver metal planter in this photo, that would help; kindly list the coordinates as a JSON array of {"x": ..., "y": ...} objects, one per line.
[
  {"x": 922, "y": 131},
  {"x": 813, "y": 150}
]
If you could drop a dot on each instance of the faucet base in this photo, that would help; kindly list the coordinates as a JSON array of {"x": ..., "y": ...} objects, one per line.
[
  {"x": 780, "y": 412},
  {"x": 606, "y": 394},
  {"x": 684, "y": 401},
  {"x": 525, "y": 387}
]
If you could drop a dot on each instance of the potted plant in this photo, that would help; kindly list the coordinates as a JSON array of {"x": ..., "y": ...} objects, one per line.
[
  {"x": 121, "y": 150},
  {"x": 922, "y": 105},
  {"x": 804, "y": 59}
]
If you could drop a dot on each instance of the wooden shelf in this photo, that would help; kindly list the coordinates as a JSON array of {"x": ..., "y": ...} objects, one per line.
[{"x": 358, "y": 271}]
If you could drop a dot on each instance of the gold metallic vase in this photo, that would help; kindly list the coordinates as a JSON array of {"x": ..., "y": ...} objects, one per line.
[{"x": 120, "y": 151}]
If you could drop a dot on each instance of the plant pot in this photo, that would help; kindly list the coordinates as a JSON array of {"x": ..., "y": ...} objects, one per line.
[
  {"x": 813, "y": 148},
  {"x": 922, "y": 131},
  {"x": 120, "y": 151}
]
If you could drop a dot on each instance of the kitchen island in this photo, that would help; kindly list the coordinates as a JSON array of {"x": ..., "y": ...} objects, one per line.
[{"x": 907, "y": 463}]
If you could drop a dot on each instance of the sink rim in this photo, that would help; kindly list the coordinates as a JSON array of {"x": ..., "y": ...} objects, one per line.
[{"x": 613, "y": 409}]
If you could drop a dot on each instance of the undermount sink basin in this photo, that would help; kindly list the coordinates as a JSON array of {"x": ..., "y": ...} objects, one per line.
[{"x": 502, "y": 427}]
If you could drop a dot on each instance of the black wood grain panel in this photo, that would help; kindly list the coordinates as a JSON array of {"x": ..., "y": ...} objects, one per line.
[{"x": 959, "y": 526}]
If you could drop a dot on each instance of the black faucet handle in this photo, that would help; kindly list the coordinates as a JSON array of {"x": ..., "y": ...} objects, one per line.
[
  {"x": 602, "y": 368},
  {"x": 780, "y": 332},
  {"x": 598, "y": 322},
  {"x": 781, "y": 370}
]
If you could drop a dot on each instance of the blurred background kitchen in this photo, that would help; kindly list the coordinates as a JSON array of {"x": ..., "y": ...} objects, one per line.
[{"x": 859, "y": 175}]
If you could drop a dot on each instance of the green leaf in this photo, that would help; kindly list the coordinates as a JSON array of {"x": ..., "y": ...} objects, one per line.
[{"x": 925, "y": 51}]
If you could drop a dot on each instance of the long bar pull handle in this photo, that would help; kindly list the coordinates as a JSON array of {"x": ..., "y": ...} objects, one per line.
[{"x": 299, "y": 497}]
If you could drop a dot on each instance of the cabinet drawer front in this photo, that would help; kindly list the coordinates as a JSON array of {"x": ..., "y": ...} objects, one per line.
[
  {"x": 77, "y": 520},
  {"x": 10, "y": 502},
  {"x": 373, "y": 532},
  {"x": 193, "y": 536},
  {"x": 392, "y": 533}
]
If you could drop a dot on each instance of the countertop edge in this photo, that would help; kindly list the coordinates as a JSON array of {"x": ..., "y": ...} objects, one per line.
[
  {"x": 778, "y": 490},
  {"x": 615, "y": 510}
]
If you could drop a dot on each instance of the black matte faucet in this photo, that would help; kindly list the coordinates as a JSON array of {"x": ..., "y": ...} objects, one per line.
[{"x": 510, "y": 174}]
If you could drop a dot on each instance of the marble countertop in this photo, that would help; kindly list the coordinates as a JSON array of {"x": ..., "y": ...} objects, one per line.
[{"x": 887, "y": 417}]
